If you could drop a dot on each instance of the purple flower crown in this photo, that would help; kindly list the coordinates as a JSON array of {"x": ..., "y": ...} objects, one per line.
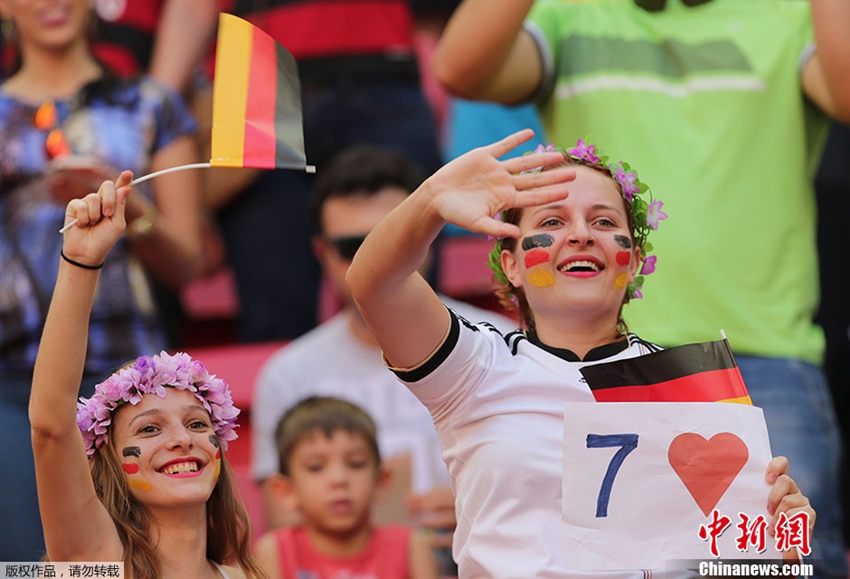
[
  {"x": 151, "y": 375},
  {"x": 645, "y": 216}
]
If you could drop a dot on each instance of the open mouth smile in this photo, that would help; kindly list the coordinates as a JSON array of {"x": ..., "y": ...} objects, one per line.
[{"x": 182, "y": 468}]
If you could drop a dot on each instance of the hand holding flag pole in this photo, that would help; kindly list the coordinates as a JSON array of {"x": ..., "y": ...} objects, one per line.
[{"x": 257, "y": 119}]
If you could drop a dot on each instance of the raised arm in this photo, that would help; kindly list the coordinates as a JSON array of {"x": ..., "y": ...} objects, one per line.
[
  {"x": 402, "y": 311},
  {"x": 179, "y": 48},
  {"x": 484, "y": 53},
  {"x": 826, "y": 76},
  {"x": 76, "y": 525}
]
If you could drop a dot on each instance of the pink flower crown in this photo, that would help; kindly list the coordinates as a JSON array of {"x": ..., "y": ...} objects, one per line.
[
  {"x": 151, "y": 375},
  {"x": 645, "y": 216}
]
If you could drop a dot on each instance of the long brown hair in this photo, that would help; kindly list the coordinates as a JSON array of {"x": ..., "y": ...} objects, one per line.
[
  {"x": 513, "y": 298},
  {"x": 228, "y": 525}
]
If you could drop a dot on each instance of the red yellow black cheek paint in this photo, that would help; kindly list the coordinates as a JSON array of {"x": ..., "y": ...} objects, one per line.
[
  {"x": 132, "y": 451},
  {"x": 623, "y": 257},
  {"x": 623, "y": 241},
  {"x": 539, "y": 240}
]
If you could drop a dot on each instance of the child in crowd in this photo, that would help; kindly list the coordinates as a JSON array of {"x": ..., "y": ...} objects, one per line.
[{"x": 330, "y": 470}]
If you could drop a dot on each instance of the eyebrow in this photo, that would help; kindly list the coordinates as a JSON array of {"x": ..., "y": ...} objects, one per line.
[
  {"x": 597, "y": 206},
  {"x": 154, "y": 411}
]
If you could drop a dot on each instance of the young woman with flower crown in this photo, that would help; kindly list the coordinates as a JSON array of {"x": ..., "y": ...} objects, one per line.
[
  {"x": 138, "y": 476},
  {"x": 573, "y": 243}
]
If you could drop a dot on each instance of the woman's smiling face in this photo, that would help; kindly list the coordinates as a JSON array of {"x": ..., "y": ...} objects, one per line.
[
  {"x": 576, "y": 253},
  {"x": 167, "y": 448}
]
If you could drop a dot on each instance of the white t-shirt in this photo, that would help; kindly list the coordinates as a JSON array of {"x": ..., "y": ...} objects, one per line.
[
  {"x": 498, "y": 405},
  {"x": 330, "y": 361}
]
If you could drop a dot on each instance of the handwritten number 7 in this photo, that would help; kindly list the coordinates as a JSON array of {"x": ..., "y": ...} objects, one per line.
[{"x": 627, "y": 443}]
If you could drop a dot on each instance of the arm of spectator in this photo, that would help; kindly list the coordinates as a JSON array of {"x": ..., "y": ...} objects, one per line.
[
  {"x": 826, "y": 75},
  {"x": 423, "y": 564},
  {"x": 485, "y": 54},
  {"x": 185, "y": 28},
  {"x": 77, "y": 527},
  {"x": 168, "y": 237},
  {"x": 435, "y": 511},
  {"x": 403, "y": 312}
]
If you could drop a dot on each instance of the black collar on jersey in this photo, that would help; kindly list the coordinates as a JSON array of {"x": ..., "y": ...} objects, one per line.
[
  {"x": 597, "y": 353},
  {"x": 659, "y": 5}
]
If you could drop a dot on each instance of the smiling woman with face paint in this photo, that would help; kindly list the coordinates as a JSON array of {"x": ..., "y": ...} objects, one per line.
[
  {"x": 139, "y": 475},
  {"x": 572, "y": 250}
]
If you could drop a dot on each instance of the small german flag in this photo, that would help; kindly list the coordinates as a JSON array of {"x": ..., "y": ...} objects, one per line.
[
  {"x": 704, "y": 372},
  {"x": 257, "y": 119}
]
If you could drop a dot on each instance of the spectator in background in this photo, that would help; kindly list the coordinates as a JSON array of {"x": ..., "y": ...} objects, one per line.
[
  {"x": 723, "y": 104},
  {"x": 65, "y": 125},
  {"x": 331, "y": 472},
  {"x": 353, "y": 192},
  {"x": 165, "y": 39},
  {"x": 360, "y": 84}
]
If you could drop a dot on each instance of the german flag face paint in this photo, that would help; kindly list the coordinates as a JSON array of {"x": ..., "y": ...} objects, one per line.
[
  {"x": 131, "y": 467},
  {"x": 214, "y": 442},
  {"x": 536, "y": 255}
]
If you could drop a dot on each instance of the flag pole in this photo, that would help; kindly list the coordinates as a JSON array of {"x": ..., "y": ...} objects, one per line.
[{"x": 142, "y": 179}]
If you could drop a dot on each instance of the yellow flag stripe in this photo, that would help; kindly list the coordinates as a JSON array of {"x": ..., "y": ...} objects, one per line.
[
  {"x": 230, "y": 90},
  {"x": 740, "y": 400}
]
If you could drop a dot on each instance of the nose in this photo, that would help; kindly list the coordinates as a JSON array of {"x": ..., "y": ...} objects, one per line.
[
  {"x": 580, "y": 234},
  {"x": 339, "y": 474},
  {"x": 180, "y": 437}
]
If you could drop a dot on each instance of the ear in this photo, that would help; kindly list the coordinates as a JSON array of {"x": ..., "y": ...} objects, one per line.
[
  {"x": 282, "y": 490},
  {"x": 635, "y": 264},
  {"x": 510, "y": 266},
  {"x": 383, "y": 478}
]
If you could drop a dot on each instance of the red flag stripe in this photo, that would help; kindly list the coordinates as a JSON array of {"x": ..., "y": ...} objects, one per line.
[
  {"x": 260, "y": 143},
  {"x": 709, "y": 386}
]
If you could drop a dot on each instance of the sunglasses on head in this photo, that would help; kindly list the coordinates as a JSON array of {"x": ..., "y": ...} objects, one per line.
[
  {"x": 659, "y": 5},
  {"x": 347, "y": 245}
]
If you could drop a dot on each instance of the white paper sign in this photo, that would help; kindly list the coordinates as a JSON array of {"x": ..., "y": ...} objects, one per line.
[{"x": 641, "y": 478}]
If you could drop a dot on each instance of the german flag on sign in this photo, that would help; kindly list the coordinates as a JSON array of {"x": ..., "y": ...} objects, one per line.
[
  {"x": 257, "y": 119},
  {"x": 704, "y": 372}
]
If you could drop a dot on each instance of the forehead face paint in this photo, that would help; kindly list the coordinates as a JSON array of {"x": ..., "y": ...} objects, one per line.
[
  {"x": 536, "y": 257},
  {"x": 623, "y": 257},
  {"x": 539, "y": 240},
  {"x": 623, "y": 241}
]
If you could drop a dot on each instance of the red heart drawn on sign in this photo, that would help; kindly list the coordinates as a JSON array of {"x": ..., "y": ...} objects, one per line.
[{"x": 707, "y": 467}]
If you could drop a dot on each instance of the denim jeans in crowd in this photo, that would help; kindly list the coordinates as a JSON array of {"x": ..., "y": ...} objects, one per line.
[{"x": 802, "y": 426}]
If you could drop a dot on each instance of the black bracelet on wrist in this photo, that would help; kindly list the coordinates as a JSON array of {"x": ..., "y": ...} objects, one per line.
[{"x": 77, "y": 263}]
